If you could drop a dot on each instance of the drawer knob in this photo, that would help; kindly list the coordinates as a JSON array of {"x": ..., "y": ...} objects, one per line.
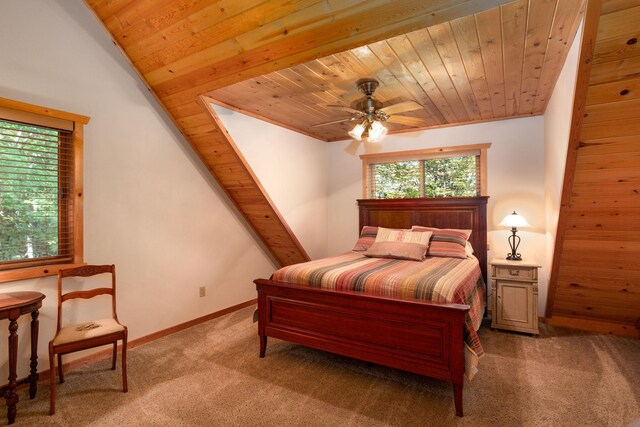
[{"x": 514, "y": 272}]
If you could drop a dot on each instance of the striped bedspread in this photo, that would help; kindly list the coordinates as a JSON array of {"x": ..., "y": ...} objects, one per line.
[{"x": 436, "y": 279}]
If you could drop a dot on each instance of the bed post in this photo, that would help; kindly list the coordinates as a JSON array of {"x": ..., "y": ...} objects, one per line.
[
  {"x": 262, "y": 321},
  {"x": 457, "y": 360},
  {"x": 457, "y": 396}
]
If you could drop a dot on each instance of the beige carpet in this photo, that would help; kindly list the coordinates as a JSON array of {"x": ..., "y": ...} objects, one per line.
[{"x": 210, "y": 375}]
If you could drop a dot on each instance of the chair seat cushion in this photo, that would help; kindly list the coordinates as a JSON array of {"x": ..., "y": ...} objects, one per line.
[{"x": 87, "y": 330}]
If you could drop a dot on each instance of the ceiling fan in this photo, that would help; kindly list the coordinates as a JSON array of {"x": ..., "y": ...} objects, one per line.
[{"x": 370, "y": 114}]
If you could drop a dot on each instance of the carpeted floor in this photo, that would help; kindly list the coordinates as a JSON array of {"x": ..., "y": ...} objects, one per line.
[{"x": 210, "y": 375}]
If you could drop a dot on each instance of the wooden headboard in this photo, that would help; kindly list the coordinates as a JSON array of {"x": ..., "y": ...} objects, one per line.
[{"x": 468, "y": 213}]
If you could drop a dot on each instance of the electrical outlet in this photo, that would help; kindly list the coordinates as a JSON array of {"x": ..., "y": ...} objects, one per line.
[{"x": 203, "y": 291}]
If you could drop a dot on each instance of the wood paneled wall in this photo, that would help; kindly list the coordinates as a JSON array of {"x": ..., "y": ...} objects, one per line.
[{"x": 595, "y": 281}]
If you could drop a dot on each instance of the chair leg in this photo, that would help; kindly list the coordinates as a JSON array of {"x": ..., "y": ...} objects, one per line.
[
  {"x": 115, "y": 356},
  {"x": 125, "y": 387},
  {"x": 60, "y": 373},
  {"x": 52, "y": 381}
]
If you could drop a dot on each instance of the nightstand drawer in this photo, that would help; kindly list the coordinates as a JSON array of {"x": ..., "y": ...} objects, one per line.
[{"x": 515, "y": 273}]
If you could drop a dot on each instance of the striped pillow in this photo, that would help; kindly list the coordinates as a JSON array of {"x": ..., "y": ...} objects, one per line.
[
  {"x": 399, "y": 244},
  {"x": 367, "y": 237},
  {"x": 446, "y": 242}
]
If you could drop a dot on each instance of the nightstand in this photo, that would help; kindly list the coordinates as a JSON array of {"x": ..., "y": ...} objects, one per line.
[{"x": 514, "y": 295}]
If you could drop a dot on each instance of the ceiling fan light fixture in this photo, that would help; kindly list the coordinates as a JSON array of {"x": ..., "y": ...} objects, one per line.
[
  {"x": 357, "y": 131},
  {"x": 372, "y": 114},
  {"x": 376, "y": 132}
]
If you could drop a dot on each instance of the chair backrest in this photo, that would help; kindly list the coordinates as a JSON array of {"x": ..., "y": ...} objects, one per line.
[{"x": 86, "y": 271}]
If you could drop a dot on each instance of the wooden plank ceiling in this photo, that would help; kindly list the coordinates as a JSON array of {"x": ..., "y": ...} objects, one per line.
[
  {"x": 494, "y": 64},
  {"x": 184, "y": 49},
  {"x": 596, "y": 272}
]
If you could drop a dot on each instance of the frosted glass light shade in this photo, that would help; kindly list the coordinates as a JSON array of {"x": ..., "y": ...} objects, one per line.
[
  {"x": 376, "y": 132},
  {"x": 514, "y": 221},
  {"x": 357, "y": 131}
]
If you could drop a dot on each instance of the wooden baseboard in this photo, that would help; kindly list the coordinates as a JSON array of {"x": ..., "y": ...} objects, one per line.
[
  {"x": 107, "y": 353},
  {"x": 186, "y": 325},
  {"x": 595, "y": 326}
]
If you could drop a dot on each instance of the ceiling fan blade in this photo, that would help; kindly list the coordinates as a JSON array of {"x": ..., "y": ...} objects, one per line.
[
  {"x": 348, "y": 119},
  {"x": 406, "y": 120},
  {"x": 342, "y": 107},
  {"x": 401, "y": 107}
]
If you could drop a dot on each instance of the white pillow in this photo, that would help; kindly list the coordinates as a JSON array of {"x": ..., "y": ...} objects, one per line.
[{"x": 468, "y": 249}]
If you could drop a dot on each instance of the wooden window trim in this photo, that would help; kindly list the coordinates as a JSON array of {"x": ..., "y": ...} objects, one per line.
[
  {"x": 39, "y": 115},
  {"x": 398, "y": 156}
]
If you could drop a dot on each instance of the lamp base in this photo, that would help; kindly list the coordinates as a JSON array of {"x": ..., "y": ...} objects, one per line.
[{"x": 514, "y": 242}]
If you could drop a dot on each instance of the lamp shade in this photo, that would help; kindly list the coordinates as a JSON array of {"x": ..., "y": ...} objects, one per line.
[
  {"x": 376, "y": 132},
  {"x": 514, "y": 221},
  {"x": 356, "y": 132}
]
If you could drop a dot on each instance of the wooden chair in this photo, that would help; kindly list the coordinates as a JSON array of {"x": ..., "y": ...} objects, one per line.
[{"x": 86, "y": 335}]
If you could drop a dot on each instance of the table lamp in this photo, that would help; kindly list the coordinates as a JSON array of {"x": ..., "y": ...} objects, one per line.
[{"x": 514, "y": 221}]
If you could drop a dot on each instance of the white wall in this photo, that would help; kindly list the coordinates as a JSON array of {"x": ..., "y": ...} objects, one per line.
[
  {"x": 150, "y": 206},
  {"x": 292, "y": 168},
  {"x": 515, "y": 180},
  {"x": 557, "y": 122}
]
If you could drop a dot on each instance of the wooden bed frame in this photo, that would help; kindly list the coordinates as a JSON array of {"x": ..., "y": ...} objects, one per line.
[{"x": 416, "y": 336}]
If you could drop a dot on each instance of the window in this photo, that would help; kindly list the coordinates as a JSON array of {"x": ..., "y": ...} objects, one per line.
[
  {"x": 40, "y": 190},
  {"x": 438, "y": 172}
]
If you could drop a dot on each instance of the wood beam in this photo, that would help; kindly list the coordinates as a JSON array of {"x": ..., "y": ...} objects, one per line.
[{"x": 337, "y": 27}]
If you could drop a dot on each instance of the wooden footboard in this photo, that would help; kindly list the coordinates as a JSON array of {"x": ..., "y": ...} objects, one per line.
[{"x": 421, "y": 337}]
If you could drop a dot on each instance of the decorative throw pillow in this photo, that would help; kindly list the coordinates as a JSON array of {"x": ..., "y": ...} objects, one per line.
[
  {"x": 399, "y": 244},
  {"x": 407, "y": 236},
  {"x": 446, "y": 242},
  {"x": 367, "y": 237}
]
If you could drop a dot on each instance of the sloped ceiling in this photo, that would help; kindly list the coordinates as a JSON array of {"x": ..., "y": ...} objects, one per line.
[
  {"x": 494, "y": 64},
  {"x": 285, "y": 60}
]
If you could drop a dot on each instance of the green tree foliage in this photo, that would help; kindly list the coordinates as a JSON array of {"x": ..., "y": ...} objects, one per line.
[
  {"x": 450, "y": 177},
  {"x": 397, "y": 180},
  {"x": 28, "y": 192},
  {"x": 446, "y": 177}
]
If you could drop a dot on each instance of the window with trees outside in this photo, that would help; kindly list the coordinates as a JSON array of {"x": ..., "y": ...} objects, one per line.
[
  {"x": 438, "y": 172},
  {"x": 40, "y": 190}
]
